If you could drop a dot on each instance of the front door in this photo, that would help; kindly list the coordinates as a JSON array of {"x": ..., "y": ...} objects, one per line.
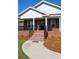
[{"x": 40, "y": 24}]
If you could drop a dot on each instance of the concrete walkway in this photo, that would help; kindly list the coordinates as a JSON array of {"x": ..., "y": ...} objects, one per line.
[{"x": 35, "y": 50}]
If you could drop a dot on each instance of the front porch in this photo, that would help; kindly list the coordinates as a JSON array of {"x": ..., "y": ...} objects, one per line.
[
  {"x": 43, "y": 25},
  {"x": 48, "y": 24}
]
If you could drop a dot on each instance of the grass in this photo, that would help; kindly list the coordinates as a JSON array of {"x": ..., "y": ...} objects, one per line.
[
  {"x": 21, "y": 55},
  {"x": 53, "y": 43}
]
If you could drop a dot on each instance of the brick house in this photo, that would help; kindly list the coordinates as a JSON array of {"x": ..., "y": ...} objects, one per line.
[{"x": 40, "y": 21}]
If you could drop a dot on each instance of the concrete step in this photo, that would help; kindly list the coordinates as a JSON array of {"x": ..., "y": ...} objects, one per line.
[
  {"x": 37, "y": 35},
  {"x": 37, "y": 38}
]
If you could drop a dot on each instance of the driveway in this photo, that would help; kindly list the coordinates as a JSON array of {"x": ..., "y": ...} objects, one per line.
[{"x": 36, "y": 50}]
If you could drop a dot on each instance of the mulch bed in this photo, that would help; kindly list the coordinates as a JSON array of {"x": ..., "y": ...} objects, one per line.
[{"x": 53, "y": 43}]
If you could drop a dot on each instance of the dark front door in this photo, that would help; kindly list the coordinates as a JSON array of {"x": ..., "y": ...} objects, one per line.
[
  {"x": 39, "y": 24},
  {"x": 42, "y": 25}
]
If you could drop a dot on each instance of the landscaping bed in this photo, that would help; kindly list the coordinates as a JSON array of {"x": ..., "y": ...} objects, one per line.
[
  {"x": 23, "y": 35},
  {"x": 21, "y": 39},
  {"x": 53, "y": 43}
]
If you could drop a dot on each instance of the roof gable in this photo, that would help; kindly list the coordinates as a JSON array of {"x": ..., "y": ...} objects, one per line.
[
  {"x": 31, "y": 13},
  {"x": 47, "y": 8},
  {"x": 47, "y": 3},
  {"x": 30, "y": 8}
]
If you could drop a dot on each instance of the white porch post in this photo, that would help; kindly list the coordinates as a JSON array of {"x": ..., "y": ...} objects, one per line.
[
  {"x": 60, "y": 24},
  {"x": 46, "y": 23},
  {"x": 33, "y": 24}
]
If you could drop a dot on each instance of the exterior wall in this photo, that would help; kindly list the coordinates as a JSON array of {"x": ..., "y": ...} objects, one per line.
[
  {"x": 21, "y": 25},
  {"x": 48, "y": 9}
]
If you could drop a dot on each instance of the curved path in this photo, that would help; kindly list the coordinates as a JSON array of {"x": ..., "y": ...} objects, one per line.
[{"x": 35, "y": 50}]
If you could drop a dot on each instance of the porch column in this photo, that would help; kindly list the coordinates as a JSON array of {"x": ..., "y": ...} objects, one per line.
[
  {"x": 33, "y": 24},
  {"x": 60, "y": 24},
  {"x": 46, "y": 27}
]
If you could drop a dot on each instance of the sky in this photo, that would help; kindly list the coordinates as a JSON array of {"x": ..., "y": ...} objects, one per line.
[{"x": 23, "y": 4}]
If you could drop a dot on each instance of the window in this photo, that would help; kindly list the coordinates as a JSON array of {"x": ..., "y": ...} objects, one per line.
[
  {"x": 29, "y": 24},
  {"x": 55, "y": 23}
]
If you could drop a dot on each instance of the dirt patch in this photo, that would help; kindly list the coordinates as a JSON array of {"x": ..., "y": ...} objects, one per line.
[{"x": 53, "y": 43}]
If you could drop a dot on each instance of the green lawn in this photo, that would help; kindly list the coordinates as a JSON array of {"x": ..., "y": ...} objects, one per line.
[{"x": 21, "y": 55}]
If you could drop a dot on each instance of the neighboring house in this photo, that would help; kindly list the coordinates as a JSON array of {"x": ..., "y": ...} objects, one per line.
[{"x": 44, "y": 16}]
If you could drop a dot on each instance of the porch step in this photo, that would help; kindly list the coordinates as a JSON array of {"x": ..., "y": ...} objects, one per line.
[{"x": 37, "y": 36}]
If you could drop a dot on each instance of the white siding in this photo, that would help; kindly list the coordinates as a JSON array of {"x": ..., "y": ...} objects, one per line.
[
  {"x": 48, "y": 9},
  {"x": 21, "y": 24},
  {"x": 31, "y": 14}
]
